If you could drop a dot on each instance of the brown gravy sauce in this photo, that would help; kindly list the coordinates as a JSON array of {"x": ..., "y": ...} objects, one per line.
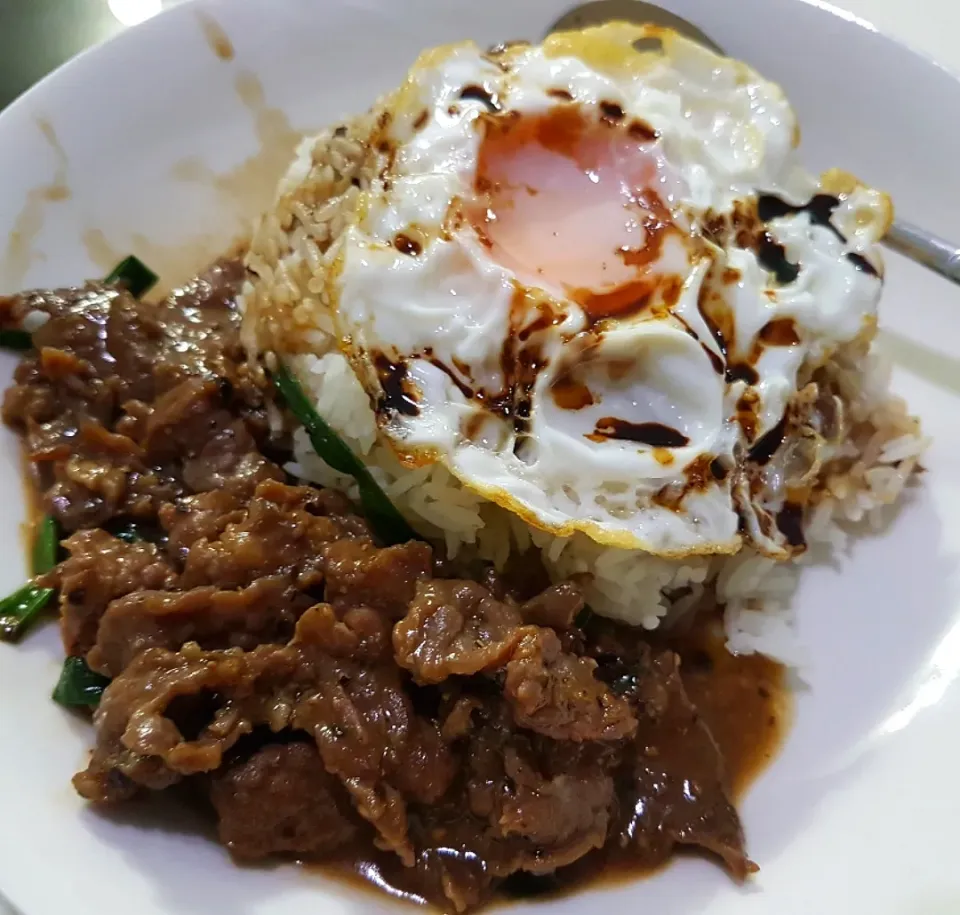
[
  {"x": 216, "y": 37},
  {"x": 249, "y": 187},
  {"x": 20, "y": 254},
  {"x": 242, "y": 192},
  {"x": 747, "y": 705}
]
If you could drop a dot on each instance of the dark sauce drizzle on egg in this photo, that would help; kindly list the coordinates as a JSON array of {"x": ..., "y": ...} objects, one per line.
[
  {"x": 476, "y": 93},
  {"x": 743, "y": 227},
  {"x": 407, "y": 245},
  {"x": 790, "y": 524},
  {"x": 521, "y": 359},
  {"x": 394, "y": 384},
  {"x": 820, "y": 209},
  {"x": 719, "y": 470},
  {"x": 656, "y": 435},
  {"x": 741, "y": 371},
  {"x": 559, "y": 131},
  {"x": 779, "y": 332},
  {"x": 773, "y": 256},
  {"x": 766, "y": 448}
]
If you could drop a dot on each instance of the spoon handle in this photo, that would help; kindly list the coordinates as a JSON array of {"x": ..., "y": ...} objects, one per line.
[{"x": 925, "y": 248}]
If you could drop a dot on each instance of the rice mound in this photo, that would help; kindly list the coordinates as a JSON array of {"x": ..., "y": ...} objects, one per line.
[{"x": 874, "y": 445}]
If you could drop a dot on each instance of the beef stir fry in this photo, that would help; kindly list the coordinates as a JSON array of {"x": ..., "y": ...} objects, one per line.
[{"x": 332, "y": 694}]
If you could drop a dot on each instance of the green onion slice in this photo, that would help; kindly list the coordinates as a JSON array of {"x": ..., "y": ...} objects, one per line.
[
  {"x": 15, "y": 339},
  {"x": 78, "y": 686},
  {"x": 23, "y": 608},
  {"x": 46, "y": 547},
  {"x": 20, "y": 611},
  {"x": 382, "y": 514},
  {"x": 134, "y": 275}
]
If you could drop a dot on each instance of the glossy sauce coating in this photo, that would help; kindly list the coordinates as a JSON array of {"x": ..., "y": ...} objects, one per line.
[{"x": 744, "y": 700}]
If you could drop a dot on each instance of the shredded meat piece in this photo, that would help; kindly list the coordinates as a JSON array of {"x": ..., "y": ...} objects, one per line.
[
  {"x": 556, "y": 693},
  {"x": 261, "y": 613},
  {"x": 282, "y": 529},
  {"x": 282, "y": 801},
  {"x": 182, "y": 418},
  {"x": 125, "y": 404},
  {"x": 101, "y": 568},
  {"x": 694, "y": 810},
  {"x": 385, "y": 579},
  {"x": 456, "y": 628},
  {"x": 557, "y": 606},
  {"x": 229, "y": 459},
  {"x": 458, "y": 721},
  {"x": 201, "y": 517},
  {"x": 362, "y": 720},
  {"x": 560, "y": 807},
  {"x": 358, "y": 633}
]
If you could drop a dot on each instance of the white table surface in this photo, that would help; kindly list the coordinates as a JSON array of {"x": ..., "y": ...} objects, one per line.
[{"x": 929, "y": 26}]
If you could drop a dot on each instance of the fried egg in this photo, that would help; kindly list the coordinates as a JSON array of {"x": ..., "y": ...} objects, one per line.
[{"x": 587, "y": 278}]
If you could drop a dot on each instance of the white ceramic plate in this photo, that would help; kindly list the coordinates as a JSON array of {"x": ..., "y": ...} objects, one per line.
[{"x": 116, "y": 152}]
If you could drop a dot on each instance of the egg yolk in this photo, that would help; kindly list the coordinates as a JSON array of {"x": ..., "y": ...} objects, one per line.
[{"x": 570, "y": 203}]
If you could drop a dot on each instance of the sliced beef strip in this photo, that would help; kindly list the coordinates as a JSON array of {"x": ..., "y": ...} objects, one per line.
[
  {"x": 182, "y": 419},
  {"x": 676, "y": 776},
  {"x": 557, "y": 606},
  {"x": 556, "y": 693},
  {"x": 546, "y": 809},
  {"x": 200, "y": 517},
  {"x": 99, "y": 569},
  {"x": 190, "y": 424},
  {"x": 126, "y": 405},
  {"x": 71, "y": 382},
  {"x": 370, "y": 736},
  {"x": 229, "y": 459},
  {"x": 358, "y": 633},
  {"x": 139, "y": 742},
  {"x": 264, "y": 612},
  {"x": 363, "y": 723},
  {"x": 456, "y": 628},
  {"x": 205, "y": 516},
  {"x": 282, "y": 801},
  {"x": 522, "y": 804},
  {"x": 358, "y": 573},
  {"x": 283, "y": 529}
]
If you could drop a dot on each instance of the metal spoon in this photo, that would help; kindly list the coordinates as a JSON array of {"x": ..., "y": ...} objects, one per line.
[{"x": 919, "y": 245}]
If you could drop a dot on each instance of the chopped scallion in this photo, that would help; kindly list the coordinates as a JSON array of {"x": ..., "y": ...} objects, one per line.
[
  {"x": 134, "y": 275},
  {"x": 15, "y": 339},
  {"x": 386, "y": 520},
  {"x": 79, "y": 686},
  {"x": 46, "y": 547},
  {"x": 21, "y": 609}
]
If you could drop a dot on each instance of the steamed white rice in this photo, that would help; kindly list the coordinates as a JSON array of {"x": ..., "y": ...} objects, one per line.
[{"x": 875, "y": 452}]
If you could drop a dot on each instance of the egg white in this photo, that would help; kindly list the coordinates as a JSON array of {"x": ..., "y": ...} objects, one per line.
[{"x": 445, "y": 309}]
